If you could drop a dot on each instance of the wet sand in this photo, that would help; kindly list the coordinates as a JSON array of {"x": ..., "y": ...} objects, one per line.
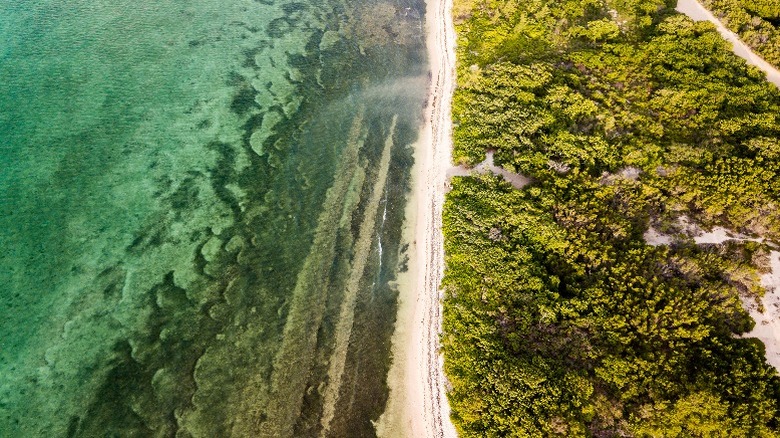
[{"x": 418, "y": 404}]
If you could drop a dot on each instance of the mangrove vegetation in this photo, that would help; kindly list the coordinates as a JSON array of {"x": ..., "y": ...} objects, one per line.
[{"x": 559, "y": 318}]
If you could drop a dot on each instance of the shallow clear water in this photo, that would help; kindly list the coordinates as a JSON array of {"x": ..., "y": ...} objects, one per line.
[{"x": 184, "y": 188}]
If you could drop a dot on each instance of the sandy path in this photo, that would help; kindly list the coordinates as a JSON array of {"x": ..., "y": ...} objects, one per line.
[
  {"x": 697, "y": 12},
  {"x": 518, "y": 181},
  {"x": 767, "y": 328},
  {"x": 418, "y": 403}
]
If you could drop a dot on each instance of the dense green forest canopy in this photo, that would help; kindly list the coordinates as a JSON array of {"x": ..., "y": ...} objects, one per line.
[
  {"x": 559, "y": 319},
  {"x": 756, "y": 21}
]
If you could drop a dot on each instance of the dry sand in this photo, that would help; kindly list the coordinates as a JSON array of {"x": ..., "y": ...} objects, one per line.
[
  {"x": 517, "y": 180},
  {"x": 767, "y": 315},
  {"x": 418, "y": 404},
  {"x": 697, "y": 12},
  {"x": 767, "y": 328}
]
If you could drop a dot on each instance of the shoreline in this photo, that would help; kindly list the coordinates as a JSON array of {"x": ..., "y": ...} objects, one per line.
[{"x": 417, "y": 404}]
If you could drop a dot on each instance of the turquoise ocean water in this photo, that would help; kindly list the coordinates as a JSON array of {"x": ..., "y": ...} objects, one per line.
[{"x": 200, "y": 213}]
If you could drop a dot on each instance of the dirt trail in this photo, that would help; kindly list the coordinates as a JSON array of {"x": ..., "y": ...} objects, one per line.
[
  {"x": 767, "y": 328},
  {"x": 697, "y": 12},
  {"x": 765, "y": 313},
  {"x": 517, "y": 180}
]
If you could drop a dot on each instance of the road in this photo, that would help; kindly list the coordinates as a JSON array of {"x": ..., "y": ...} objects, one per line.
[{"x": 697, "y": 12}]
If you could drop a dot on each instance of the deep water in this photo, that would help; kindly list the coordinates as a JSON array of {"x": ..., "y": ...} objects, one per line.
[{"x": 183, "y": 186}]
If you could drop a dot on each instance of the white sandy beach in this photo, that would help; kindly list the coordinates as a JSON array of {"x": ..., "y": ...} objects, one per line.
[{"x": 418, "y": 404}]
